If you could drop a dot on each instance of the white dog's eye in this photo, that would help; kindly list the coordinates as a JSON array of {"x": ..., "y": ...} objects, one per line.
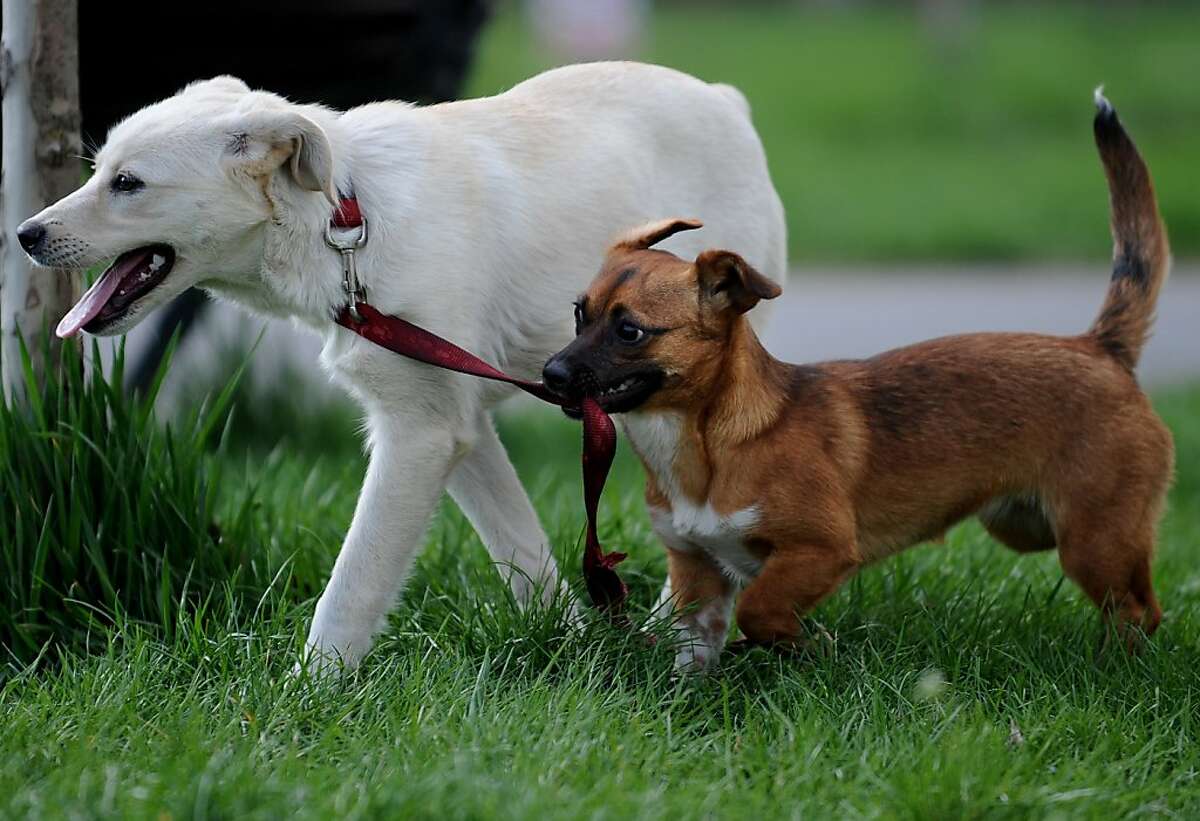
[{"x": 126, "y": 182}]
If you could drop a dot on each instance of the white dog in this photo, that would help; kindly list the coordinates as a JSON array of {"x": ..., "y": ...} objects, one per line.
[{"x": 486, "y": 218}]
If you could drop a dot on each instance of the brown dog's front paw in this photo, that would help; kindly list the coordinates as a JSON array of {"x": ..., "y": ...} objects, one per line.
[
  {"x": 814, "y": 642},
  {"x": 1124, "y": 637}
]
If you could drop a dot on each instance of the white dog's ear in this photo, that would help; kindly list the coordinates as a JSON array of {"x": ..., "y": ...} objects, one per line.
[
  {"x": 262, "y": 143},
  {"x": 644, "y": 236}
]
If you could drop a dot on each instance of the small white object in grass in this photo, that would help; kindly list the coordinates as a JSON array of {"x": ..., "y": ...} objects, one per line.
[
  {"x": 1015, "y": 737},
  {"x": 930, "y": 685}
]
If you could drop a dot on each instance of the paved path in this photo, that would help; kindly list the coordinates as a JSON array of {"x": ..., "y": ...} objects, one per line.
[
  {"x": 836, "y": 314},
  {"x": 824, "y": 313}
]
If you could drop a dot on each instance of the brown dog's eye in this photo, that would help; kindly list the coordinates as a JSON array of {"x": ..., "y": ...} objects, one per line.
[
  {"x": 629, "y": 333},
  {"x": 578, "y": 318}
]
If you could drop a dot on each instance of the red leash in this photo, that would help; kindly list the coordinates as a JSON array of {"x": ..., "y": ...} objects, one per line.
[{"x": 604, "y": 586}]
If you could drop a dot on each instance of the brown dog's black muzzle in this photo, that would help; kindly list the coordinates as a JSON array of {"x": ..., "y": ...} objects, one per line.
[
  {"x": 557, "y": 375},
  {"x": 569, "y": 379}
]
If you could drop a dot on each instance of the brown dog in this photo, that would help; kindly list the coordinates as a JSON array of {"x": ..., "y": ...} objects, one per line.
[{"x": 788, "y": 478}]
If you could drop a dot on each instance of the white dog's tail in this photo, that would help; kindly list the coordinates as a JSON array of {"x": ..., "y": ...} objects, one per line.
[{"x": 736, "y": 95}]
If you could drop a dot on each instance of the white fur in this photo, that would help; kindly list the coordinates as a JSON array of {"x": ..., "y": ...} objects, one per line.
[
  {"x": 486, "y": 218},
  {"x": 701, "y": 634},
  {"x": 722, "y": 538},
  {"x": 691, "y": 527}
]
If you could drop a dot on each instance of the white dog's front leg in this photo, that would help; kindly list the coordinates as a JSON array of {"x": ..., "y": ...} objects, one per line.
[
  {"x": 664, "y": 608},
  {"x": 486, "y": 487},
  {"x": 405, "y": 479}
]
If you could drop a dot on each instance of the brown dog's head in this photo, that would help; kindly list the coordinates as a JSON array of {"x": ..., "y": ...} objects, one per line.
[{"x": 652, "y": 329}]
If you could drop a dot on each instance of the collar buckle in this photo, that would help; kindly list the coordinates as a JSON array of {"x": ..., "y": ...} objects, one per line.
[{"x": 355, "y": 292}]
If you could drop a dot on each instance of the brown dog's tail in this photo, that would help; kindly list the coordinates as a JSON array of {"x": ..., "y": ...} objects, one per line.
[{"x": 1141, "y": 256}]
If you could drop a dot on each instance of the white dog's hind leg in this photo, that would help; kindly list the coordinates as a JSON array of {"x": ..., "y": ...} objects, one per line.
[
  {"x": 486, "y": 487},
  {"x": 410, "y": 462},
  {"x": 664, "y": 608}
]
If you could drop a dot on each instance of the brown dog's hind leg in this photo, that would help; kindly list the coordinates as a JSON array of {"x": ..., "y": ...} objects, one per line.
[
  {"x": 792, "y": 582},
  {"x": 1018, "y": 522}
]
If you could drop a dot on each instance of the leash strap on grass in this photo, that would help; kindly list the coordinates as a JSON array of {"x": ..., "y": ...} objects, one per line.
[{"x": 604, "y": 586}]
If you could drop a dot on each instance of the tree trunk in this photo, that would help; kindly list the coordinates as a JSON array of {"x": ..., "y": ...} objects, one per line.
[{"x": 39, "y": 81}]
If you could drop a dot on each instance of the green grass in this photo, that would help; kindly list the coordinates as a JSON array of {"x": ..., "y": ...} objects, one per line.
[
  {"x": 884, "y": 145},
  {"x": 108, "y": 517},
  {"x": 963, "y": 682}
]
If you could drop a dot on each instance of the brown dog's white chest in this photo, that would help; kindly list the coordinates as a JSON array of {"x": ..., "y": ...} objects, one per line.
[{"x": 685, "y": 524}]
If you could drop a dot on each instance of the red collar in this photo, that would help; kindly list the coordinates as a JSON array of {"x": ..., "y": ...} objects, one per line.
[{"x": 346, "y": 215}]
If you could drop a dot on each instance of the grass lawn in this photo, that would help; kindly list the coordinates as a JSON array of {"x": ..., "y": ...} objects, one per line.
[
  {"x": 884, "y": 145},
  {"x": 963, "y": 683}
]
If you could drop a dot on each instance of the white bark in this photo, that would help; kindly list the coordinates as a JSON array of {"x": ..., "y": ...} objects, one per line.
[{"x": 39, "y": 81}]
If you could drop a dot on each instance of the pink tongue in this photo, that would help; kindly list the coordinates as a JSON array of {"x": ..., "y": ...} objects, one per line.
[{"x": 92, "y": 303}]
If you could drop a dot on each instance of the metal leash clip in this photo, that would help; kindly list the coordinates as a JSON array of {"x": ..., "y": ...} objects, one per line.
[{"x": 355, "y": 292}]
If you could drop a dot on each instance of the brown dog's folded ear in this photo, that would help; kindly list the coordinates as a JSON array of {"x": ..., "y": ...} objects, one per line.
[
  {"x": 727, "y": 281},
  {"x": 268, "y": 139},
  {"x": 644, "y": 236}
]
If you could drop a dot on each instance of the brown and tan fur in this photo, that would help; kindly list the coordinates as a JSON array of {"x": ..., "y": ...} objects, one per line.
[{"x": 1049, "y": 440}]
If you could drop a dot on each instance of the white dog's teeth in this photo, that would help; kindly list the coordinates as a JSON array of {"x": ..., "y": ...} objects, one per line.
[{"x": 156, "y": 262}]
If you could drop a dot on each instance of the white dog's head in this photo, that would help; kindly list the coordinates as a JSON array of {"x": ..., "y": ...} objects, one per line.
[{"x": 180, "y": 195}]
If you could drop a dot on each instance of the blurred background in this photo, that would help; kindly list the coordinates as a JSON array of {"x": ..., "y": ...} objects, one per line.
[{"x": 934, "y": 156}]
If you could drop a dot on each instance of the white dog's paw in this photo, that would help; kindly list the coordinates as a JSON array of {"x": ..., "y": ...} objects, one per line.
[
  {"x": 317, "y": 668},
  {"x": 574, "y": 616},
  {"x": 552, "y": 594},
  {"x": 322, "y": 663}
]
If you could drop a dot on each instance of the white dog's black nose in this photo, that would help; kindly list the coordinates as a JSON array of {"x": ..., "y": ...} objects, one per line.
[{"x": 31, "y": 235}]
